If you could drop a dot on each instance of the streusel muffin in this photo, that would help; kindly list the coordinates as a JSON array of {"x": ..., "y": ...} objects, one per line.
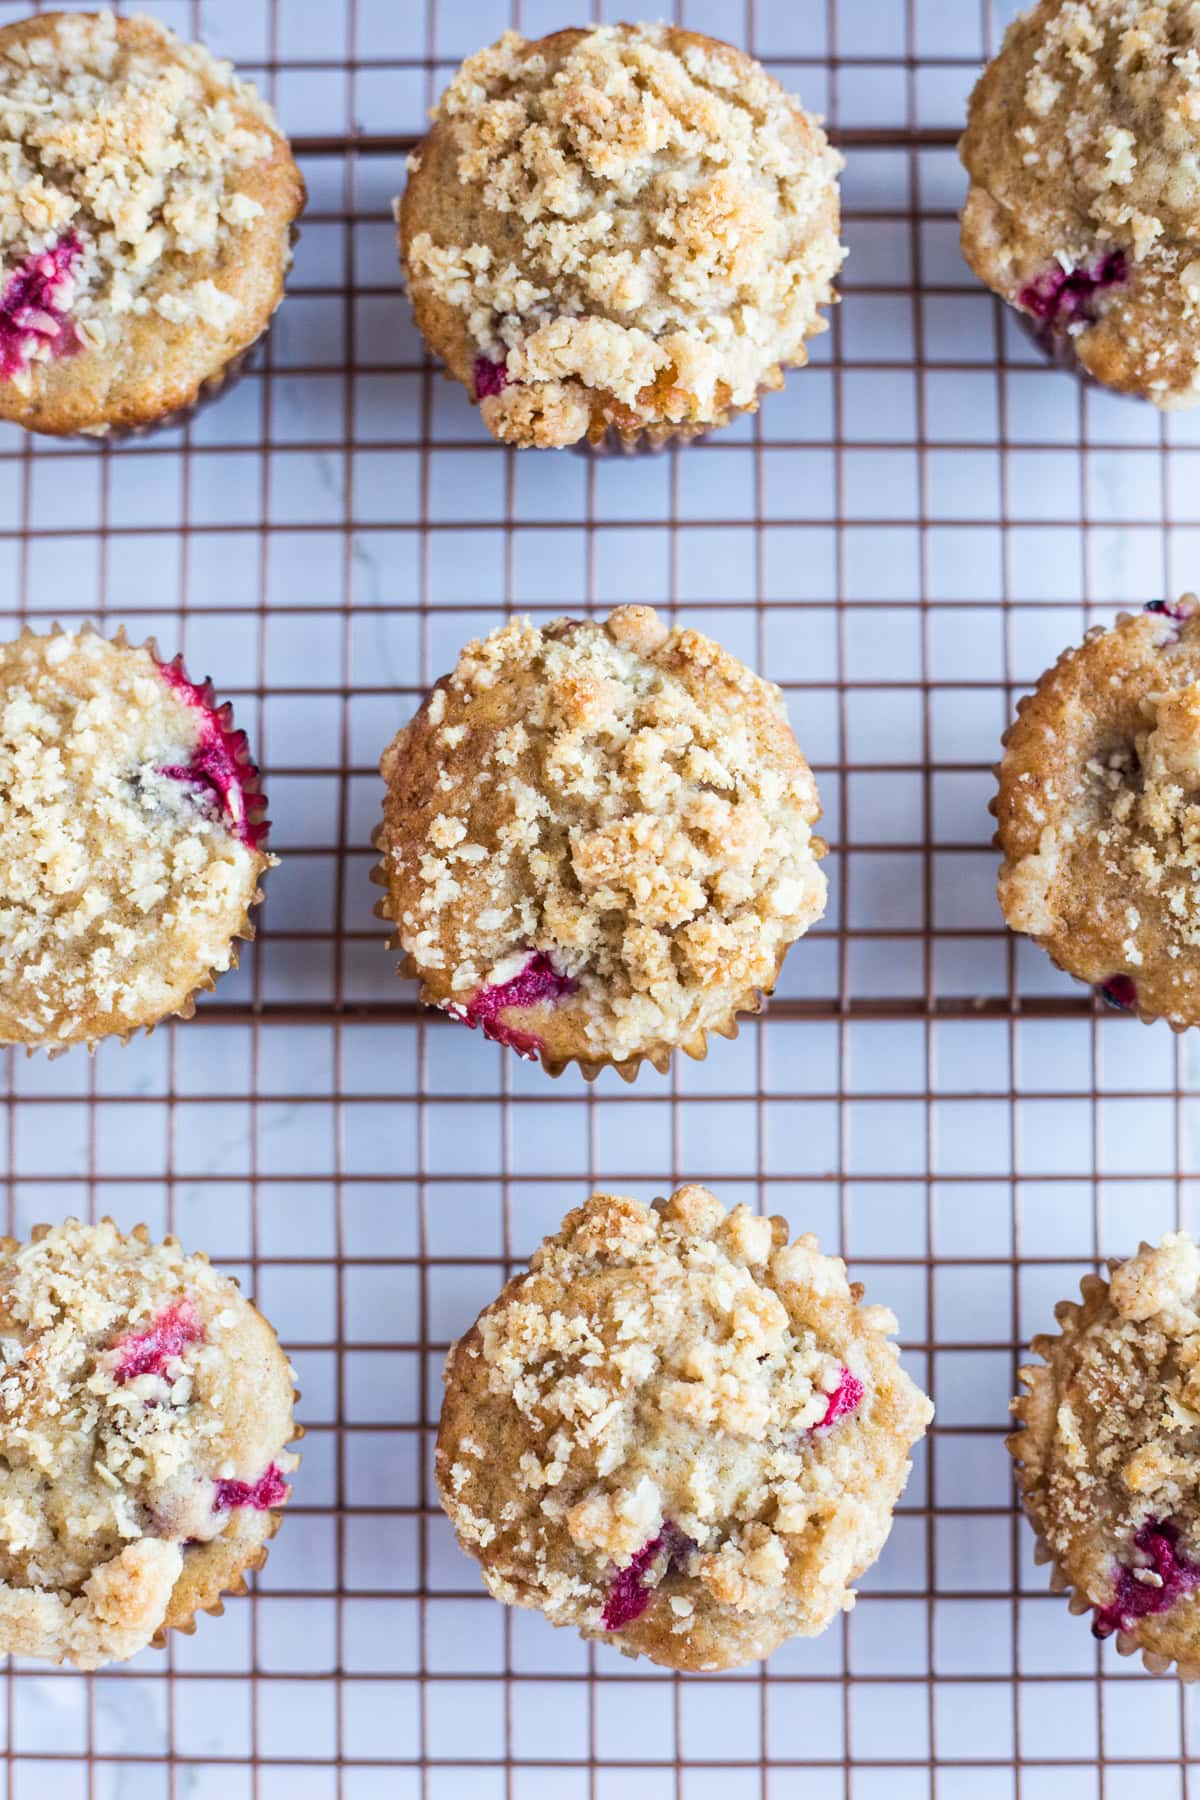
[
  {"x": 678, "y": 1432},
  {"x": 145, "y": 1410},
  {"x": 1108, "y": 1452},
  {"x": 597, "y": 840},
  {"x": 131, "y": 839},
  {"x": 620, "y": 234},
  {"x": 146, "y": 208},
  {"x": 1099, "y": 812},
  {"x": 1082, "y": 210}
]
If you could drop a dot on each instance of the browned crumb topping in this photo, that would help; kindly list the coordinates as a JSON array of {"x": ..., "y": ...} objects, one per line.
[
  {"x": 123, "y": 887},
  {"x": 626, "y": 800},
  {"x": 1111, "y": 1444},
  {"x": 655, "y": 220},
  {"x": 107, "y": 1476},
  {"x": 135, "y": 143},
  {"x": 1099, "y": 810},
  {"x": 1083, "y": 140},
  {"x": 672, "y": 1370}
]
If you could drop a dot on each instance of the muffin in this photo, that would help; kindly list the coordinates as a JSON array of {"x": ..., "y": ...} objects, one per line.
[
  {"x": 620, "y": 235},
  {"x": 131, "y": 839},
  {"x": 677, "y": 1433},
  {"x": 597, "y": 841},
  {"x": 1099, "y": 813},
  {"x": 1107, "y": 1454},
  {"x": 145, "y": 1409},
  {"x": 1082, "y": 212},
  {"x": 146, "y": 208}
]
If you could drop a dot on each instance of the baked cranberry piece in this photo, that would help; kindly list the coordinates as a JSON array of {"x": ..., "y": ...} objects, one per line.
[
  {"x": 629, "y": 1595},
  {"x": 149, "y": 1352},
  {"x": 538, "y": 983},
  {"x": 1151, "y": 1587}
]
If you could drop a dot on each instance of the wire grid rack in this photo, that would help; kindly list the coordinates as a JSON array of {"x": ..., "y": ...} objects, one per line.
[{"x": 904, "y": 539}]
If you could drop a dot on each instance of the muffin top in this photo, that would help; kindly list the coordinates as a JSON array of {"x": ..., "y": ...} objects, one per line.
[
  {"x": 1099, "y": 812},
  {"x": 677, "y": 1431},
  {"x": 631, "y": 226},
  {"x": 146, "y": 197},
  {"x": 1084, "y": 207},
  {"x": 1110, "y": 1448},
  {"x": 144, "y": 1410},
  {"x": 130, "y": 838},
  {"x": 597, "y": 839}
]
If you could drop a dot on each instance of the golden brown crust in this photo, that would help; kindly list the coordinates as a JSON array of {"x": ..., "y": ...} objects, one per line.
[
  {"x": 130, "y": 834},
  {"x": 1099, "y": 812},
  {"x": 1106, "y": 1450},
  {"x": 145, "y": 1409},
  {"x": 637, "y": 222},
  {"x": 626, "y": 803},
  {"x": 677, "y": 1432},
  {"x": 1081, "y": 210},
  {"x": 189, "y": 277}
]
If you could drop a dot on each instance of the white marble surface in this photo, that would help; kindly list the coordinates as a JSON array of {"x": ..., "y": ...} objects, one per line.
[{"x": 374, "y": 1180}]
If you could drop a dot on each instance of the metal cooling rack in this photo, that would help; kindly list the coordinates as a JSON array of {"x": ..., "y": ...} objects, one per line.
[{"x": 904, "y": 538}]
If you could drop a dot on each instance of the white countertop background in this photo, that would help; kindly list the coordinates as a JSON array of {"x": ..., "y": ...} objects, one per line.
[{"x": 904, "y": 539}]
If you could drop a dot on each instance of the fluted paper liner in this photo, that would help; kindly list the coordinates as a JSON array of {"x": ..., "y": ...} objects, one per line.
[
  {"x": 256, "y": 805},
  {"x": 1041, "y": 1394},
  {"x": 654, "y": 438},
  {"x": 628, "y": 1068}
]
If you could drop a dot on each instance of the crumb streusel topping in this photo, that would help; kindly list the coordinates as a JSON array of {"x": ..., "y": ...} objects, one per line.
[
  {"x": 1110, "y": 1447},
  {"x": 614, "y": 818},
  {"x": 129, "y": 148},
  {"x": 139, "y": 1394},
  {"x": 1099, "y": 812},
  {"x": 1084, "y": 209},
  {"x": 679, "y": 1430},
  {"x": 128, "y": 854},
  {"x": 654, "y": 227}
]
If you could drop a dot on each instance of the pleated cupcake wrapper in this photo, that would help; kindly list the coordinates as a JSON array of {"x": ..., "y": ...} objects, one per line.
[
  {"x": 1091, "y": 1287},
  {"x": 212, "y": 1596},
  {"x": 660, "y": 1056},
  {"x": 590, "y": 1067},
  {"x": 213, "y": 388},
  {"x": 653, "y": 439},
  {"x": 1136, "y": 1011},
  {"x": 650, "y": 442},
  {"x": 256, "y": 803}
]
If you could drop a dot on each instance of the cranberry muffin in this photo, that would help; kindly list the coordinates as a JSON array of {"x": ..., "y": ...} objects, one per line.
[
  {"x": 1107, "y": 1452},
  {"x": 132, "y": 839},
  {"x": 1099, "y": 812},
  {"x": 677, "y": 1433},
  {"x": 146, "y": 1409},
  {"x": 597, "y": 841},
  {"x": 1081, "y": 212},
  {"x": 146, "y": 207},
  {"x": 619, "y": 235}
]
